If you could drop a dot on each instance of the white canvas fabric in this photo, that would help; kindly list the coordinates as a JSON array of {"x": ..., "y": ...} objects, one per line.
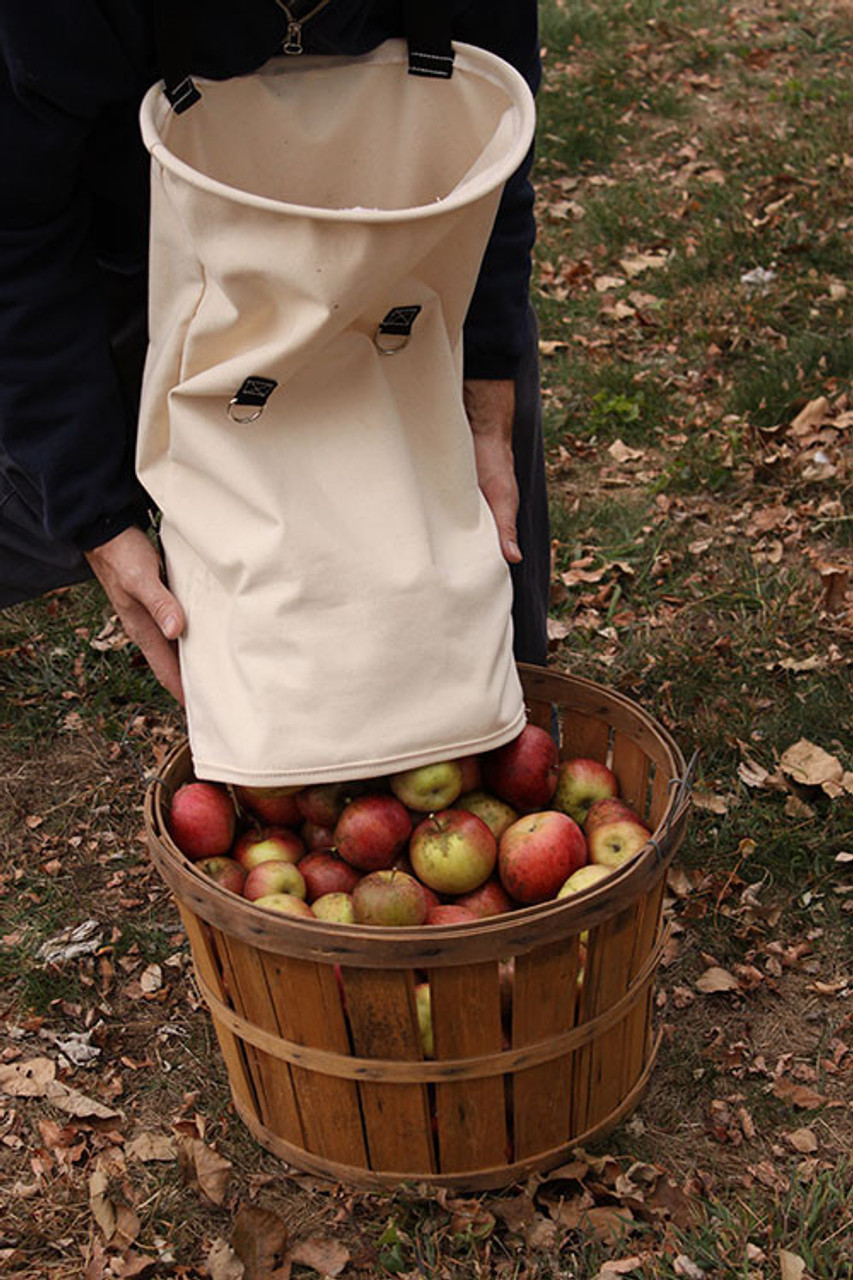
[{"x": 348, "y": 605}]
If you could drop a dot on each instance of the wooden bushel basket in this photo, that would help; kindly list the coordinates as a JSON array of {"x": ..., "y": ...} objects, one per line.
[{"x": 317, "y": 1022}]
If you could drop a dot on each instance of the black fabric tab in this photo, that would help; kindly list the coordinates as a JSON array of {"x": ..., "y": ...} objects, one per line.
[
  {"x": 428, "y": 34},
  {"x": 255, "y": 391},
  {"x": 172, "y": 30},
  {"x": 399, "y": 320}
]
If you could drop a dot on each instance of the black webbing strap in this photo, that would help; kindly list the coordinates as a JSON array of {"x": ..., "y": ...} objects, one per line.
[
  {"x": 172, "y": 33},
  {"x": 428, "y": 34}
]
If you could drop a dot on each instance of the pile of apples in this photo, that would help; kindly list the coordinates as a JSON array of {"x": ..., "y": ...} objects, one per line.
[{"x": 445, "y": 843}]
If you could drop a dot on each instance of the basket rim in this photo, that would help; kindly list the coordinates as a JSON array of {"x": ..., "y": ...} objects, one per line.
[{"x": 372, "y": 946}]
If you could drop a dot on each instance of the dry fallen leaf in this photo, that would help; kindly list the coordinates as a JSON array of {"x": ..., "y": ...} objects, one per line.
[
  {"x": 811, "y": 766},
  {"x": 259, "y": 1239},
  {"x": 203, "y": 1167},
  {"x": 36, "y": 1078},
  {"x": 327, "y": 1257},
  {"x": 149, "y": 1147},
  {"x": 791, "y": 1265},
  {"x": 103, "y": 1209},
  {"x": 222, "y": 1262},
  {"x": 803, "y": 1140},
  {"x": 716, "y": 979},
  {"x": 799, "y": 1095}
]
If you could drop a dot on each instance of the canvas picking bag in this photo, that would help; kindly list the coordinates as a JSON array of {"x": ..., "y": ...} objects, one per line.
[{"x": 317, "y": 229}]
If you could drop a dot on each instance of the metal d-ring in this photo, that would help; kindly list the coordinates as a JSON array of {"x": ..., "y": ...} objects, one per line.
[
  {"x": 250, "y": 417},
  {"x": 395, "y": 342}
]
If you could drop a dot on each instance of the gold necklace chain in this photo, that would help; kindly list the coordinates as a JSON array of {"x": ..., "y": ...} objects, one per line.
[{"x": 292, "y": 42}]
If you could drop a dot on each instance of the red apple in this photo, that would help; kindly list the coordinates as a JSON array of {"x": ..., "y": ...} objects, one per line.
[
  {"x": 538, "y": 853},
  {"x": 580, "y": 782},
  {"x": 496, "y": 814},
  {"x": 273, "y": 877},
  {"x": 389, "y": 898},
  {"x": 275, "y": 806},
  {"x": 430, "y": 787},
  {"x": 286, "y": 903},
  {"x": 225, "y": 871},
  {"x": 584, "y": 878},
  {"x": 316, "y": 837},
  {"x": 324, "y": 802},
  {"x": 611, "y": 809},
  {"x": 450, "y": 913},
  {"x": 325, "y": 872},
  {"x": 334, "y": 908},
  {"x": 202, "y": 819},
  {"x": 371, "y": 831},
  {"x": 491, "y": 899},
  {"x": 472, "y": 773},
  {"x": 612, "y": 843},
  {"x": 273, "y": 844},
  {"x": 524, "y": 771},
  {"x": 453, "y": 851}
]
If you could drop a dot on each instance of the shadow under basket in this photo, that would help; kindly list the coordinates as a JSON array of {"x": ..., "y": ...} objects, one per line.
[{"x": 318, "y": 1026}]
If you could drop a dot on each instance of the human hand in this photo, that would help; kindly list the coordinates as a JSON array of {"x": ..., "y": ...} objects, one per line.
[
  {"x": 128, "y": 568},
  {"x": 490, "y": 406}
]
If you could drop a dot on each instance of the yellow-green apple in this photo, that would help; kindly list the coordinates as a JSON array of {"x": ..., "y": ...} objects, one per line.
[
  {"x": 496, "y": 814},
  {"x": 523, "y": 772},
  {"x": 202, "y": 819},
  {"x": 584, "y": 878},
  {"x": 274, "y": 877},
  {"x": 429, "y": 787},
  {"x": 450, "y": 913},
  {"x": 276, "y": 806},
  {"x": 324, "y": 802},
  {"x": 272, "y": 844},
  {"x": 580, "y": 782},
  {"x": 389, "y": 898},
  {"x": 325, "y": 872},
  {"x": 334, "y": 908},
  {"x": 316, "y": 837},
  {"x": 491, "y": 899},
  {"x": 538, "y": 853},
  {"x": 225, "y": 871},
  {"x": 613, "y": 843},
  {"x": 452, "y": 851},
  {"x": 610, "y": 809},
  {"x": 372, "y": 830},
  {"x": 286, "y": 903},
  {"x": 423, "y": 1008}
]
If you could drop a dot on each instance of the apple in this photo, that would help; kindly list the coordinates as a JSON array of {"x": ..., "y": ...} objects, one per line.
[
  {"x": 372, "y": 830},
  {"x": 496, "y": 814},
  {"x": 580, "y": 782},
  {"x": 491, "y": 899},
  {"x": 584, "y": 878},
  {"x": 274, "y": 877},
  {"x": 202, "y": 819},
  {"x": 275, "y": 806},
  {"x": 335, "y": 908},
  {"x": 608, "y": 810},
  {"x": 612, "y": 843},
  {"x": 423, "y": 1008},
  {"x": 315, "y": 836},
  {"x": 286, "y": 903},
  {"x": 324, "y": 802},
  {"x": 272, "y": 844},
  {"x": 225, "y": 871},
  {"x": 450, "y": 913},
  {"x": 389, "y": 898},
  {"x": 538, "y": 853},
  {"x": 430, "y": 787},
  {"x": 472, "y": 773},
  {"x": 453, "y": 851},
  {"x": 325, "y": 872},
  {"x": 524, "y": 772}
]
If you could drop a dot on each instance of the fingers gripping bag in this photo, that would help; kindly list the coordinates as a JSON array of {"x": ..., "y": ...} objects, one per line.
[{"x": 317, "y": 230}]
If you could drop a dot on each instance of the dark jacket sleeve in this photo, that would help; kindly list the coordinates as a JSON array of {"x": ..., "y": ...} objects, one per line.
[
  {"x": 497, "y": 326},
  {"x": 65, "y": 429}
]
